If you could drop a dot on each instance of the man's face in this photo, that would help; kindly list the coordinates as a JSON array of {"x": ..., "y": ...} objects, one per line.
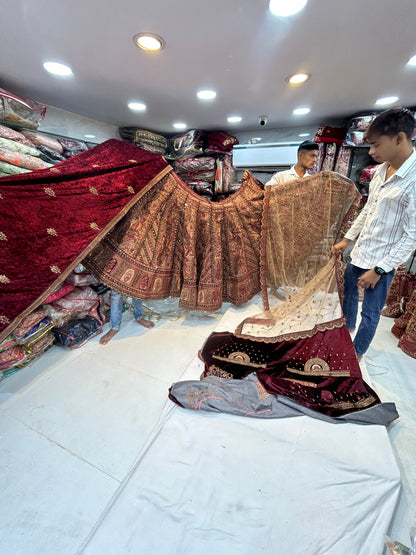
[
  {"x": 307, "y": 158},
  {"x": 383, "y": 148}
]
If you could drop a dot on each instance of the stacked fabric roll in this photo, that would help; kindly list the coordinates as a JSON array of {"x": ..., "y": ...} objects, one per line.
[
  {"x": 25, "y": 151},
  {"x": 145, "y": 139},
  {"x": 70, "y": 315},
  {"x": 17, "y": 153}
]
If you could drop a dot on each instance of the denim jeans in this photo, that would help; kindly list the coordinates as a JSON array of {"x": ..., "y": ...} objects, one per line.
[
  {"x": 373, "y": 303},
  {"x": 117, "y": 309}
]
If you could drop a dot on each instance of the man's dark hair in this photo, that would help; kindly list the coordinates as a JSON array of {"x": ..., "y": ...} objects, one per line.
[
  {"x": 392, "y": 122},
  {"x": 308, "y": 145}
]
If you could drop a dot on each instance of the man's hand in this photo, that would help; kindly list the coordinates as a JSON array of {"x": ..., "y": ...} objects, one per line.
[
  {"x": 367, "y": 280},
  {"x": 340, "y": 247}
]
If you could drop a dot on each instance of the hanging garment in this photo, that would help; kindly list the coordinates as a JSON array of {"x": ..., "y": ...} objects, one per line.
[
  {"x": 301, "y": 222},
  {"x": 50, "y": 219},
  {"x": 405, "y": 327},
  {"x": 175, "y": 243}
]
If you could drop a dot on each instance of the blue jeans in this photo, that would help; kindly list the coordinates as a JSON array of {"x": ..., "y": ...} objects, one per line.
[
  {"x": 117, "y": 309},
  {"x": 373, "y": 303}
]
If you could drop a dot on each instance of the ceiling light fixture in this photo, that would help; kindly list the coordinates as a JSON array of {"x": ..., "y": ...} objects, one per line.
[
  {"x": 180, "y": 125},
  {"x": 137, "y": 106},
  {"x": 149, "y": 42},
  {"x": 206, "y": 95},
  {"x": 298, "y": 78},
  {"x": 303, "y": 134},
  {"x": 89, "y": 136},
  {"x": 284, "y": 8},
  {"x": 234, "y": 119},
  {"x": 412, "y": 61},
  {"x": 301, "y": 111},
  {"x": 386, "y": 100},
  {"x": 57, "y": 68}
]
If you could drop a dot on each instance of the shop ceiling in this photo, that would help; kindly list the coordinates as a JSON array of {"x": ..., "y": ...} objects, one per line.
[{"x": 355, "y": 50}]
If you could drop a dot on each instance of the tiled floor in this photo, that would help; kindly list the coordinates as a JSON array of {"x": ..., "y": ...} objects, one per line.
[{"x": 73, "y": 423}]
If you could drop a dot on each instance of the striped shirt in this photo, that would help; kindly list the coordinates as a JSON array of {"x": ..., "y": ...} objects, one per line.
[{"x": 386, "y": 227}]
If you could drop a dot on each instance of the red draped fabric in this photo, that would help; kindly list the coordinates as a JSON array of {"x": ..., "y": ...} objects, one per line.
[{"x": 50, "y": 219}]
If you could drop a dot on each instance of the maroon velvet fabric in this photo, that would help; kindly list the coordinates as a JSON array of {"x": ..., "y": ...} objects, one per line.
[
  {"x": 50, "y": 219},
  {"x": 287, "y": 369}
]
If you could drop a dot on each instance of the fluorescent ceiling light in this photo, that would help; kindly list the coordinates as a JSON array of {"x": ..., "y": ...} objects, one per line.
[
  {"x": 149, "y": 42},
  {"x": 386, "y": 100},
  {"x": 57, "y": 69},
  {"x": 180, "y": 125},
  {"x": 284, "y": 8},
  {"x": 301, "y": 111},
  {"x": 89, "y": 136},
  {"x": 206, "y": 95},
  {"x": 303, "y": 134},
  {"x": 137, "y": 106},
  {"x": 298, "y": 78},
  {"x": 412, "y": 61},
  {"x": 234, "y": 119}
]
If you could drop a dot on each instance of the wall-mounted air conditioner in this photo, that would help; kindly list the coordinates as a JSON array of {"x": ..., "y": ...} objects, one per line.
[{"x": 267, "y": 154}]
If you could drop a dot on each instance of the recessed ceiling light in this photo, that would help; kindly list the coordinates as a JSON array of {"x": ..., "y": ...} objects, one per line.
[
  {"x": 89, "y": 136},
  {"x": 412, "y": 61},
  {"x": 206, "y": 95},
  {"x": 149, "y": 42},
  {"x": 386, "y": 100},
  {"x": 284, "y": 8},
  {"x": 57, "y": 69},
  {"x": 298, "y": 78},
  {"x": 303, "y": 134},
  {"x": 301, "y": 111},
  {"x": 180, "y": 125},
  {"x": 234, "y": 119},
  {"x": 137, "y": 106}
]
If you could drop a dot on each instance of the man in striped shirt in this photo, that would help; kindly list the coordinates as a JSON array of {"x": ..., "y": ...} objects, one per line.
[{"x": 386, "y": 227}]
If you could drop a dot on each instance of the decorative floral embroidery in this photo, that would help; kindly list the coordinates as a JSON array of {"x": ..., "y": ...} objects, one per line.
[
  {"x": 219, "y": 372},
  {"x": 3, "y": 236},
  {"x": 317, "y": 366},
  {"x": 130, "y": 189},
  {"x": 133, "y": 161},
  {"x": 53, "y": 169},
  {"x": 93, "y": 190},
  {"x": 4, "y": 279},
  {"x": 262, "y": 392},
  {"x": 55, "y": 269},
  {"x": 93, "y": 225},
  {"x": 4, "y": 319},
  {"x": 96, "y": 165},
  {"x": 52, "y": 231},
  {"x": 49, "y": 191}
]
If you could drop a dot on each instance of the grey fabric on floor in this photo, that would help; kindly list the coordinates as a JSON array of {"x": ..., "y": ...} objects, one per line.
[{"x": 242, "y": 397}]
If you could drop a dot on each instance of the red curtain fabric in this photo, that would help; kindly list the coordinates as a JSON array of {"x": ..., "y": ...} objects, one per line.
[{"x": 50, "y": 219}]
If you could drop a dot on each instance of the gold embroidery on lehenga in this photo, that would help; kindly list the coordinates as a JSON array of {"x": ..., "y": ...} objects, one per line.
[
  {"x": 301, "y": 382},
  {"x": 53, "y": 169},
  {"x": 94, "y": 191},
  {"x": 262, "y": 392},
  {"x": 52, "y": 231},
  {"x": 130, "y": 189},
  {"x": 49, "y": 191},
  {"x": 219, "y": 372},
  {"x": 133, "y": 161},
  {"x": 3, "y": 236},
  {"x": 55, "y": 269},
  {"x": 93, "y": 225},
  {"x": 4, "y": 319},
  {"x": 4, "y": 279}
]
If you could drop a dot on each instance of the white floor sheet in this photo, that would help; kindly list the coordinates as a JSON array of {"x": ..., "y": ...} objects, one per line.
[{"x": 95, "y": 460}]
